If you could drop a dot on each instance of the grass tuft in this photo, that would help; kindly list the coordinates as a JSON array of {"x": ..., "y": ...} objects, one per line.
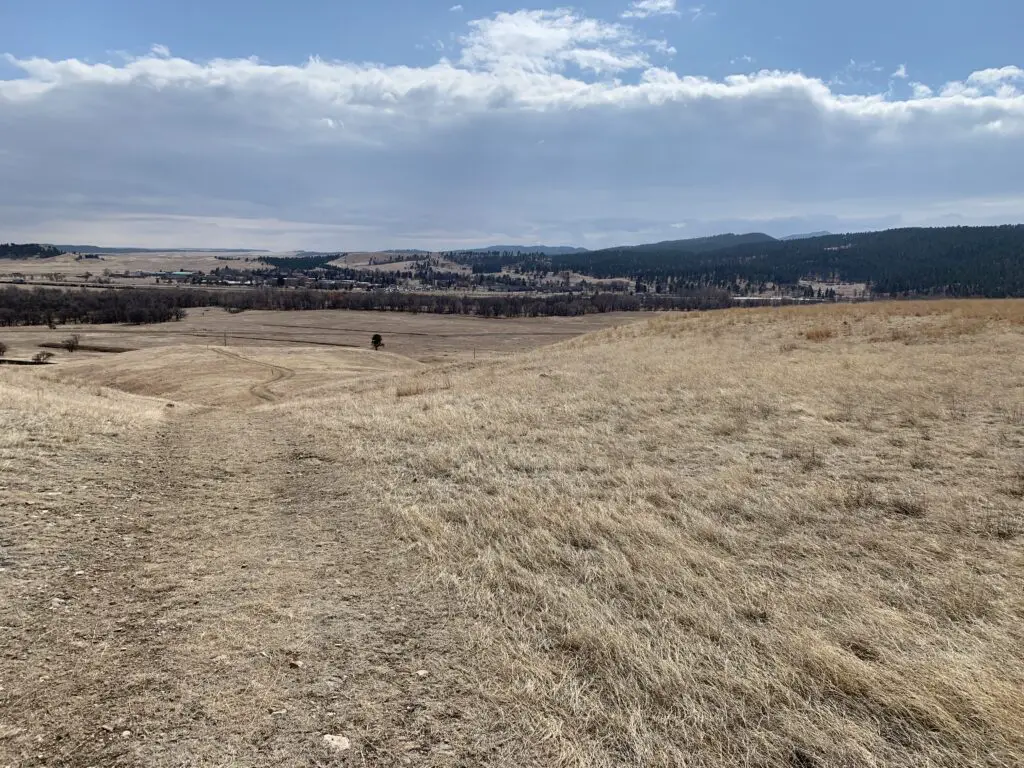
[{"x": 819, "y": 334}]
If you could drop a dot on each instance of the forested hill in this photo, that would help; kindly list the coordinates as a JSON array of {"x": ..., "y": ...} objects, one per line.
[
  {"x": 701, "y": 244},
  {"x": 547, "y": 250},
  {"x": 952, "y": 261},
  {"x": 28, "y": 251}
]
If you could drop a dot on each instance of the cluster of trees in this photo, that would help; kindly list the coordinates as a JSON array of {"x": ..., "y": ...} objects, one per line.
[
  {"x": 483, "y": 262},
  {"x": 302, "y": 262},
  {"x": 54, "y": 306},
  {"x": 504, "y": 305},
  {"x": 28, "y": 251}
]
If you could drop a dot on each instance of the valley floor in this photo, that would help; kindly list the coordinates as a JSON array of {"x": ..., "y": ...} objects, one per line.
[{"x": 747, "y": 538}]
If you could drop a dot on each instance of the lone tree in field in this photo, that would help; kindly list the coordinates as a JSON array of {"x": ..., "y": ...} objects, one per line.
[
  {"x": 71, "y": 343},
  {"x": 377, "y": 341},
  {"x": 42, "y": 357},
  {"x": 3, "y": 349}
]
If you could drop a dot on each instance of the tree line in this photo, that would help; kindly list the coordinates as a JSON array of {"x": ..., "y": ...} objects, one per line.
[{"x": 55, "y": 306}]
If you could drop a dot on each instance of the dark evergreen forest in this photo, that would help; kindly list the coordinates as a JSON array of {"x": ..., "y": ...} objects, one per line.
[
  {"x": 28, "y": 251},
  {"x": 950, "y": 261}
]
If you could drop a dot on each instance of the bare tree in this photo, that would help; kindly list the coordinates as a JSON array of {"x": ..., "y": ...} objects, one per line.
[
  {"x": 42, "y": 357},
  {"x": 3, "y": 349},
  {"x": 72, "y": 343}
]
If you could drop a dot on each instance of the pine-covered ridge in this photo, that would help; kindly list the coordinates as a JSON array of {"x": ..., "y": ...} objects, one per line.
[
  {"x": 28, "y": 251},
  {"x": 948, "y": 261}
]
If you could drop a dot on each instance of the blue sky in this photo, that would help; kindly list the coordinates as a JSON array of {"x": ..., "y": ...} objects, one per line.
[{"x": 319, "y": 124}]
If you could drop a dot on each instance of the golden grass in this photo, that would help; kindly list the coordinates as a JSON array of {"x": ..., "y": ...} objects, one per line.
[
  {"x": 36, "y": 411},
  {"x": 818, "y": 334},
  {"x": 422, "y": 385},
  {"x": 44, "y": 427},
  {"x": 231, "y": 375},
  {"x": 681, "y": 547},
  {"x": 701, "y": 540}
]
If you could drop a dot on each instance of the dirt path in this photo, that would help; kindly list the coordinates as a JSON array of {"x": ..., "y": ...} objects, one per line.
[
  {"x": 260, "y": 390},
  {"x": 223, "y": 597}
]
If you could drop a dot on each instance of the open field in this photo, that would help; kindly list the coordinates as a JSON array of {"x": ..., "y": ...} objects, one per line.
[
  {"x": 424, "y": 337},
  {"x": 772, "y": 537},
  {"x": 72, "y": 270}
]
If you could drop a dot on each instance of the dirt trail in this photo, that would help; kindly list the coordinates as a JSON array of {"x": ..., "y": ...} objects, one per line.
[
  {"x": 226, "y": 599},
  {"x": 260, "y": 390}
]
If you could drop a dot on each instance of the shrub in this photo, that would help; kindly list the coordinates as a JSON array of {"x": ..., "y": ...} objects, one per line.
[
  {"x": 3, "y": 349},
  {"x": 42, "y": 357},
  {"x": 72, "y": 343}
]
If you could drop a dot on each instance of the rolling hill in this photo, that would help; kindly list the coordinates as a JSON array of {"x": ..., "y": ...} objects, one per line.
[
  {"x": 28, "y": 251},
  {"x": 950, "y": 261},
  {"x": 766, "y": 538}
]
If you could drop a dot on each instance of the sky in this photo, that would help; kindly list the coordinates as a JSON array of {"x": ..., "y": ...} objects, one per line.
[{"x": 343, "y": 125}]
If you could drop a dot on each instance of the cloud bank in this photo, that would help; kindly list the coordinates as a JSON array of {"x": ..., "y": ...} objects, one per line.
[
  {"x": 543, "y": 126},
  {"x": 642, "y": 9}
]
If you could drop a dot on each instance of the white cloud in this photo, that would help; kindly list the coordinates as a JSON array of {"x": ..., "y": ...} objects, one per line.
[
  {"x": 160, "y": 50},
  {"x": 989, "y": 77},
  {"x": 547, "y": 41},
  {"x": 541, "y": 126},
  {"x": 900, "y": 73},
  {"x": 455, "y": 8},
  {"x": 642, "y": 9}
]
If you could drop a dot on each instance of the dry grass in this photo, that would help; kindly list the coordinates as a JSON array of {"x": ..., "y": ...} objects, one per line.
[
  {"x": 819, "y": 334},
  {"x": 680, "y": 548},
  {"x": 664, "y": 544},
  {"x": 427, "y": 338},
  {"x": 230, "y": 375},
  {"x": 39, "y": 414},
  {"x": 422, "y": 385}
]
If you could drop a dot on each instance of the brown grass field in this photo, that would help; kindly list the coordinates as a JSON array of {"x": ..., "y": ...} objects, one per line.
[
  {"x": 771, "y": 537},
  {"x": 72, "y": 270},
  {"x": 427, "y": 338}
]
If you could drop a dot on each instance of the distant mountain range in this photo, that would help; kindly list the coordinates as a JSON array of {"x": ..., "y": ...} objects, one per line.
[
  {"x": 806, "y": 236},
  {"x": 697, "y": 244}
]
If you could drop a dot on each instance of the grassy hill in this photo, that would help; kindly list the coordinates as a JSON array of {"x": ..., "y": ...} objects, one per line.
[
  {"x": 767, "y": 538},
  {"x": 28, "y": 251}
]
